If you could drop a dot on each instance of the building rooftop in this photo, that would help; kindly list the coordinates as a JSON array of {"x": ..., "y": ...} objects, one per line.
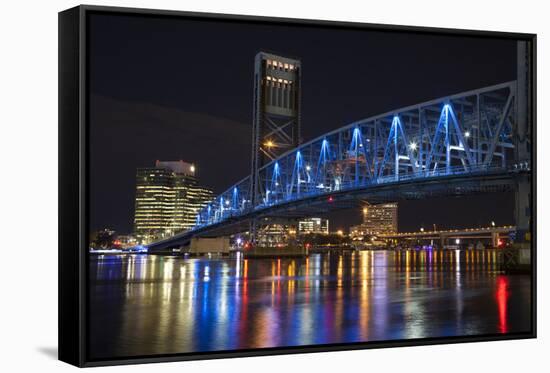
[{"x": 179, "y": 167}]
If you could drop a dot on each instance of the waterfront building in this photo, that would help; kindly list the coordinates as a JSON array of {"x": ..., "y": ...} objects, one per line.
[
  {"x": 357, "y": 231},
  {"x": 276, "y": 234},
  {"x": 125, "y": 241},
  {"x": 313, "y": 226},
  {"x": 168, "y": 198},
  {"x": 377, "y": 220}
]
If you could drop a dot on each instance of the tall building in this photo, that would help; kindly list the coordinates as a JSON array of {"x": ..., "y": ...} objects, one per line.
[
  {"x": 276, "y": 122},
  {"x": 377, "y": 219},
  {"x": 313, "y": 225},
  {"x": 168, "y": 198}
]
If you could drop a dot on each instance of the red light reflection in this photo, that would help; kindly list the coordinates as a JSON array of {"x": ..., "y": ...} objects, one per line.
[{"x": 502, "y": 295}]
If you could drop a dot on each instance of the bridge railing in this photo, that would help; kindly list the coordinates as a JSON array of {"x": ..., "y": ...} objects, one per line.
[
  {"x": 461, "y": 134},
  {"x": 388, "y": 179},
  {"x": 221, "y": 211}
]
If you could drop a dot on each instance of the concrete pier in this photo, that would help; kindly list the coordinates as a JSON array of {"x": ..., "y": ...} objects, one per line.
[
  {"x": 219, "y": 245},
  {"x": 276, "y": 252}
]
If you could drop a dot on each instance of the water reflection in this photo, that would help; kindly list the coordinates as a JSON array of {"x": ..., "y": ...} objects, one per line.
[
  {"x": 142, "y": 305},
  {"x": 502, "y": 300}
]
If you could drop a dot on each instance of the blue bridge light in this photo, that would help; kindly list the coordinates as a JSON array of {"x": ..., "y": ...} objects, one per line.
[{"x": 428, "y": 140}]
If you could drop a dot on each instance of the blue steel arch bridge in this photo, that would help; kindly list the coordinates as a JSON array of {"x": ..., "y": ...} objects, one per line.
[{"x": 454, "y": 145}]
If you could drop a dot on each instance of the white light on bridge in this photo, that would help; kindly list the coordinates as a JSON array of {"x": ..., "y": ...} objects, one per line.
[
  {"x": 413, "y": 146},
  {"x": 467, "y": 134}
]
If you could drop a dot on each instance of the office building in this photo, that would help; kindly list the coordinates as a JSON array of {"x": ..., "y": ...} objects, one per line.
[
  {"x": 313, "y": 226},
  {"x": 377, "y": 219},
  {"x": 168, "y": 198}
]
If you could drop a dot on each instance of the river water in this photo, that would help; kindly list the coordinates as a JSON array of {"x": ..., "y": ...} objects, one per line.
[{"x": 148, "y": 304}]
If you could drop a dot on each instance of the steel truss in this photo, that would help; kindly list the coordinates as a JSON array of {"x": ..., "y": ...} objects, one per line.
[{"x": 467, "y": 133}]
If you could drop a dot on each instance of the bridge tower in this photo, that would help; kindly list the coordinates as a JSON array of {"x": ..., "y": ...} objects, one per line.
[
  {"x": 276, "y": 114},
  {"x": 522, "y": 139}
]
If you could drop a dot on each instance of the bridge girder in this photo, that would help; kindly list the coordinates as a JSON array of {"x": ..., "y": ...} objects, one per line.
[
  {"x": 453, "y": 185},
  {"x": 451, "y": 145},
  {"x": 470, "y": 132}
]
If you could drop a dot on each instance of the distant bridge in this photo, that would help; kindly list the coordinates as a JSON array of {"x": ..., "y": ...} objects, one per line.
[
  {"x": 458, "y": 233},
  {"x": 493, "y": 233},
  {"x": 454, "y": 145}
]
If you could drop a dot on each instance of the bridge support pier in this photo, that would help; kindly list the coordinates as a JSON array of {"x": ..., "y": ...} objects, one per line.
[
  {"x": 253, "y": 232},
  {"x": 521, "y": 251},
  {"x": 495, "y": 236},
  {"x": 523, "y": 209},
  {"x": 203, "y": 245},
  {"x": 522, "y": 144}
]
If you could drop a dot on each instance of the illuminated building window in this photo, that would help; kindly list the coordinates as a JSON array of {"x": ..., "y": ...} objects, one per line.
[{"x": 169, "y": 202}]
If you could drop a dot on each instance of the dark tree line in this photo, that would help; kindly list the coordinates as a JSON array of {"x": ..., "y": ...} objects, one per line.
[{"x": 324, "y": 239}]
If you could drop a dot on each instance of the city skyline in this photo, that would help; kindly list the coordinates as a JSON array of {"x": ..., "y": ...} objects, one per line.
[
  {"x": 174, "y": 114},
  {"x": 420, "y": 141}
]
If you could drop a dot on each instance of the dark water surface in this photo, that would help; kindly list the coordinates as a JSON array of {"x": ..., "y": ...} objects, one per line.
[{"x": 145, "y": 305}]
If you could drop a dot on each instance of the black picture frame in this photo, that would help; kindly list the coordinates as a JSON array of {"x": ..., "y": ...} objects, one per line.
[{"x": 74, "y": 180}]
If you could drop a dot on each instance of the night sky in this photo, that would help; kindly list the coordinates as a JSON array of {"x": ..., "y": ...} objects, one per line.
[{"x": 169, "y": 89}]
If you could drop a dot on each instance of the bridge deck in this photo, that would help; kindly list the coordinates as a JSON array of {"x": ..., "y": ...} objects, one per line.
[
  {"x": 454, "y": 145},
  {"x": 312, "y": 205}
]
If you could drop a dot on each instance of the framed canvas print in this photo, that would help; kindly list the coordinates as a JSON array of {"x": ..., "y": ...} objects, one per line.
[{"x": 238, "y": 186}]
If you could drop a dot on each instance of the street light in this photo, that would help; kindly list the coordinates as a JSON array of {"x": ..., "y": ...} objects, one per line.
[
  {"x": 493, "y": 223},
  {"x": 421, "y": 229}
]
